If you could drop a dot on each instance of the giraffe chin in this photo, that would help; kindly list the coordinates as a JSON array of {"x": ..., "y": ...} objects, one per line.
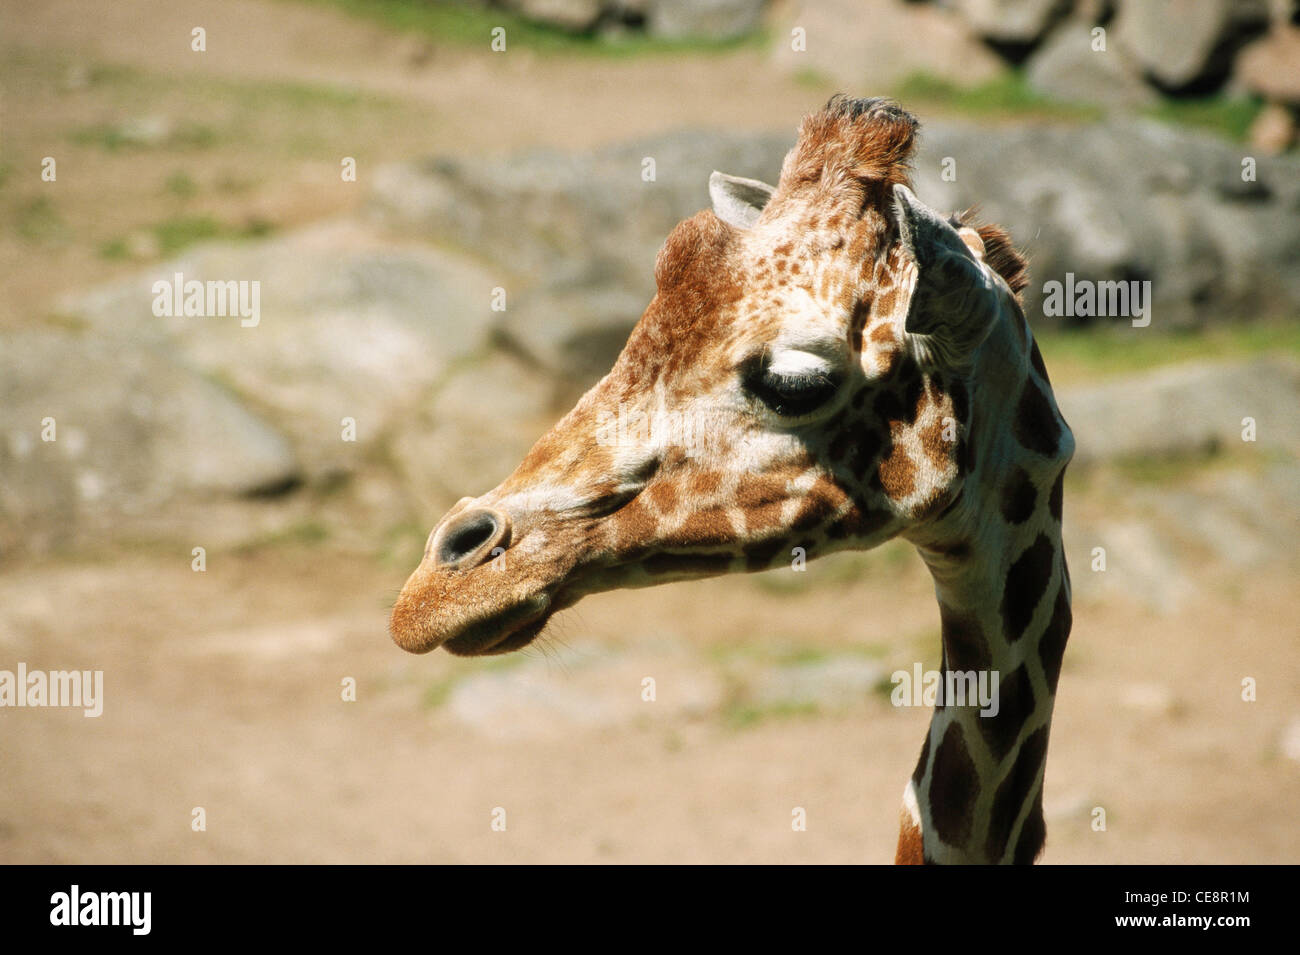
[
  {"x": 494, "y": 630},
  {"x": 515, "y": 638}
]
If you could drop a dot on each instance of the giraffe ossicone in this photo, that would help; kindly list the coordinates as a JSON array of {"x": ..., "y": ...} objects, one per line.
[{"x": 850, "y": 366}]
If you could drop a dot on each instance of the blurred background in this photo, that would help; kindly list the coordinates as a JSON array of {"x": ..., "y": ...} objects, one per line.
[{"x": 1138, "y": 141}]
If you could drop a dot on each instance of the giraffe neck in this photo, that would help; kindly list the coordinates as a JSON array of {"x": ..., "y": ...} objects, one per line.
[{"x": 1004, "y": 604}]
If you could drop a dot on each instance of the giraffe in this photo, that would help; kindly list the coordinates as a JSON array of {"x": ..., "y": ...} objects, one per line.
[{"x": 826, "y": 364}]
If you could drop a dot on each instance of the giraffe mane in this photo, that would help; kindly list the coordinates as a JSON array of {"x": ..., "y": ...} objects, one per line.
[
  {"x": 1000, "y": 254},
  {"x": 852, "y": 140}
]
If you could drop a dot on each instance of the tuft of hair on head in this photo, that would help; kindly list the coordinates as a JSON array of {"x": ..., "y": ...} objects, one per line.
[
  {"x": 999, "y": 253},
  {"x": 852, "y": 139}
]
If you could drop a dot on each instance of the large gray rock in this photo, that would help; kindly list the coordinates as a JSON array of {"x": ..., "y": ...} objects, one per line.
[
  {"x": 1185, "y": 410},
  {"x": 1131, "y": 200},
  {"x": 134, "y": 432},
  {"x": 713, "y": 19},
  {"x": 472, "y": 429},
  {"x": 577, "y": 16},
  {"x": 1067, "y": 67},
  {"x": 1012, "y": 21},
  {"x": 575, "y": 236},
  {"x": 1271, "y": 66},
  {"x": 1183, "y": 43},
  {"x": 350, "y": 326},
  {"x": 877, "y": 47}
]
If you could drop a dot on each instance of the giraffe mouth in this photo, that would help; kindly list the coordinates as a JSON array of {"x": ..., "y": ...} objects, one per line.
[
  {"x": 503, "y": 631},
  {"x": 483, "y": 642}
]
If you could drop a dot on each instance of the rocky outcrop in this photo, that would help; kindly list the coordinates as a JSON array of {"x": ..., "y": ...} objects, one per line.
[
  {"x": 373, "y": 352},
  {"x": 1188, "y": 44},
  {"x": 1120, "y": 200},
  {"x": 94, "y": 435},
  {"x": 349, "y": 326},
  {"x": 1186, "y": 411}
]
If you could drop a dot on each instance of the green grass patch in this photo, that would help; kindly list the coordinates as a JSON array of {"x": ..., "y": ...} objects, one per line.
[
  {"x": 741, "y": 715},
  {"x": 1006, "y": 95},
  {"x": 1170, "y": 470},
  {"x": 179, "y": 232},
  {"x": 1082, "y": 355},
  {"x": 471, "y": 26},
  {"x": 1230, "y": 117},
  {"x": 438, "y": 693},
  {"x": 38, "y": 220},
  {"x": 118, "y": 137},
  {"x": 268, "y": 119},
  {"x": 181, "y": 185},
  {"x": 308, "y": 533}
]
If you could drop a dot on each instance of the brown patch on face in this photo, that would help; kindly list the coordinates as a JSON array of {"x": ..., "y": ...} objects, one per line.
[
  {"x": 698, "y": 290},
  {"x": 705, "y": 484},
  {"x": 634, "y": 522},
  {"x": 861, "y": 312},
  {"x": 1036, "y": 426},
  {"x": 1015, "y": 791},
  {"x": 897, "y": 471},
  {"x": 882, "y": 334},
  {"x": 704, "y": 528},
  {"x": 886, "y": 302},
  {"x": 759, "y": 491},
  {"x": 663, "y": 496},
  {"x": 937, "y": 447},
  {"x": 953, "y": 788},
  {"x": 821, "y": 502}
]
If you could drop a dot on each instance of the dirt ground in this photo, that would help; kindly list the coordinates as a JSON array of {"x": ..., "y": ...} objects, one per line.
[
  {"x": 222, "y": 691},
  {"x": 223, "y": 688}
]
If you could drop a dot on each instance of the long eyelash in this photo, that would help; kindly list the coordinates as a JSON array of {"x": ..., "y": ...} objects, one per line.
[{"x": 801, "y": 381}]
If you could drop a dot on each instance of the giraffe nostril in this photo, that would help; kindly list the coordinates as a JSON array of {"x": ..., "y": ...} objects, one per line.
[{"x": 470, "y": 534}]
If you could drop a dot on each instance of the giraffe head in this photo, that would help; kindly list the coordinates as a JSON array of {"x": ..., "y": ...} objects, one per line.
[{"x": 800, "y": 380}]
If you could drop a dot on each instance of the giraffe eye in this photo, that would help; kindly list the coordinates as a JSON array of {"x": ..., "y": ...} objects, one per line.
[{"x": 791, "y": 395}]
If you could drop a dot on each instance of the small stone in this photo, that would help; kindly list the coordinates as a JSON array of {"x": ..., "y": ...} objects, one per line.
[
  {"x": 1274, "y": 129},
  {"x": 1150, "y": 698},
  {"x": 1290, "y": 742}
]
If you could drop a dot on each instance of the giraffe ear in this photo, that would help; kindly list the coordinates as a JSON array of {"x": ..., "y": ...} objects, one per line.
[
  {"x": 956, "y": 299},
  {"x": 738, "y": 202}
]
